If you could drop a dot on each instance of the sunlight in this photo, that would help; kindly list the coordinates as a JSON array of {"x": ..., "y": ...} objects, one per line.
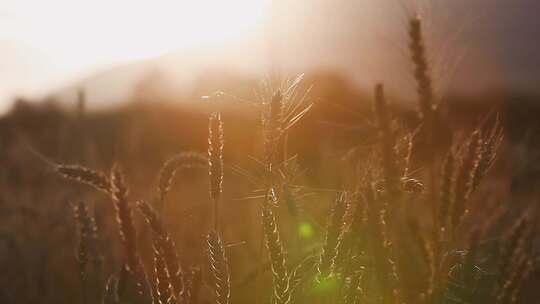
[{"x": 76, "y": 32}]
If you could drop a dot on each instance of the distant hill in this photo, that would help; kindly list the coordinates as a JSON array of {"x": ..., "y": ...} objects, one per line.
[{"x": 475, "y": 46}]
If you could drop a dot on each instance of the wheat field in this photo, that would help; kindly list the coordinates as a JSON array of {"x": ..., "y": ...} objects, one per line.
[{"x": 251, "y": 199}]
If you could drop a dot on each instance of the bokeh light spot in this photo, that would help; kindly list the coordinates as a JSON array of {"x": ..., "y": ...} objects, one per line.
[{"x": 305, "y": 230}]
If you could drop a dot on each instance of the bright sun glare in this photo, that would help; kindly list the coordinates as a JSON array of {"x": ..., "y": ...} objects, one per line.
[
  {"x": 93, "y": 32},
  {"x": 70, "y": 37}
]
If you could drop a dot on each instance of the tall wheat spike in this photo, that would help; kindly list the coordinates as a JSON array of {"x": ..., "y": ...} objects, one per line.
[
  {"x": 388, "y": 141},
  {"x": 219, "y": 267},
  {"x": 421, "y": 72},
  {"x": 464, "y": 179},
  {"x": 384, "y": 267},
  {"x": 280, "y": 274},
  {"x": 87, "y": 230},
  {"x": 510, "y": 287},
  {"x": 487, "y": 153},
  {"x": 127, "y": 231},
  {"x": 446, "y": 192},
  {"x": 334, "y": 234},
  {"x": 166, "y": 246},
  {"x": 163, "y": 288},
  {"x": 215, "y": 161},
  {"x": 509, "y": 251},
  {"x": 354, "y": 293},
  {"x": 301, "y": 272}
]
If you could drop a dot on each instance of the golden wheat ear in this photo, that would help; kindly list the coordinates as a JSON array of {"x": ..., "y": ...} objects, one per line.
[
  {"x": 280, "y": 276},
  {"x": 86, "y": 230},
  {"x": 172, "y": 165},
  {"x": 193, "y": 286},
  {"x": 85, "y": 176},
  {"x": 464, "y": 180},
  {"x": 421, "y": 72},
  {"x": 165, "y": 245},
  {"x": 446, "y": 194},
  {"x": 510, "y": 250},
  {"x": 215, "y": 162},
  {"x": 128, "y": 234},
  {"x": 334, "y": 234},
  {"x": 219, "y": 267},
  {"x": 163, "y": 293}
]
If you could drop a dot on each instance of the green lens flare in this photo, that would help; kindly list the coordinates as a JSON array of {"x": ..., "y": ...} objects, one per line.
[
  {"x": 325, "y": 285},
  {"x": 305, "y": 230}
]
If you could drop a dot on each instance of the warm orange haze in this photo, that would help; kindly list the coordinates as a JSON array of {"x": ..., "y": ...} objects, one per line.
[
  {"x": 269, "y": 151},
  {"x": 50, "y": 48},
  {"x": 74, "y": 39}
]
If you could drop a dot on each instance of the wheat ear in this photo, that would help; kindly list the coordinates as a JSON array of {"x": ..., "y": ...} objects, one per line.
[
  {"x": 166, "y": 246},
  {"x": 127, "y": 231},
  {"x": 219, "y": 267},
  {"x": 85, "y": 175},
  {"x": 281, "y": 294}
]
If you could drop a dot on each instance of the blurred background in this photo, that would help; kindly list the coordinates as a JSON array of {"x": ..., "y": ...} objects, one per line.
[
  {"x": 94, "y": 82},
  {"x": 111, "y": 49}
]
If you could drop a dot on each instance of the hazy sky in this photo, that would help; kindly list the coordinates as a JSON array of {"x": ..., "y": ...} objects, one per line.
[
  {"x": 48, "y": 44},
  {"x": 43, "y": 43}
]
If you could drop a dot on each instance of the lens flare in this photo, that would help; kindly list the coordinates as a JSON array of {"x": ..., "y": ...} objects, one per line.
[{"x": 305, "y": 230}]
